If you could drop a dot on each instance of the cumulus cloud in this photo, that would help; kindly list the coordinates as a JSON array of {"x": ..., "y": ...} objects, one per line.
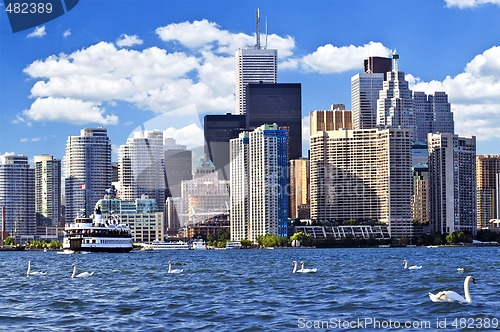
[
  {"x": 208, "y": 35},
  {"x": 330, "y": 59},
  {"x": 127, "y": 41},
  {"x": 68, "y": 110},
  {"x": 470, "y": 3},
  {"x": 473, "y": 95},
  {"x": 39, "y": 32},
  {"x": 190, "y": 135}
]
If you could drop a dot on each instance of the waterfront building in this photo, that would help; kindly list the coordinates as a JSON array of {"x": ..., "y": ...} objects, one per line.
[
  {"x": 47, "y": 190},
  {"x": 254, "y": 64},
  {"x": 240, "y": 185},
  {"x": 395, "y": 102},
  {"x": 178, "y": 166},
  {"x": 218, "y": 130},
  {"x": 279, "y": 103},
  {"x": 333, "y": 119},
  {"x": 142, "y": 167},
  {"x": 174, "y": 207},
  {"x": 362, "y": 175},
  {"x": 204, "y": 196},
  {"x": 261, "y": 205},
  {"x": 87, "y": 171},
  {"x": 420, "y": 193},
  {"x": 17, "y": 196},
  {"x": 487, "y": 174},
  {"x": 299, "y": 189},
  {"x": 452, "y": 183}
]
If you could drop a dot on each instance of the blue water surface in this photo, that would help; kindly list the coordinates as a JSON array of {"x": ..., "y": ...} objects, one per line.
[{"x": 249, "y": 290}]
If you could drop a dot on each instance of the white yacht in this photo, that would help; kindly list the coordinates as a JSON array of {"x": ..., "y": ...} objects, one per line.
[
  {"x": 166, "y": 245},
  {"x": 233, "y": 245},
  {"x": 199, "y": 244}
]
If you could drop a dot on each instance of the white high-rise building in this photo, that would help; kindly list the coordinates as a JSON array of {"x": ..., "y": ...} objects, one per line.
[
  {"x": 365, "y": 89},
  {"x": 17, "y": 195},
  {"x": 239, "y": 193},
  {"x": 87, "y": 171},
  {"x": 452, "y": 183},
  {"x": 362, "y": 175},
  {"x": 142, "y": 167},
  {"x": 266, "y": 189},
  {"x": 395, "y": 103},
  {"x": 47, "y": 190},
  {"x": 254, "y": 64}
]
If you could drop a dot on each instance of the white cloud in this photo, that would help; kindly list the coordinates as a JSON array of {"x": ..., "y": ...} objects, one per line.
[
  {"x": 329, "y": 59},
  {"x": 39, "y": 32},
  {"x": 67, "y": 33},
  {"x": 68, "y": 110},
  {"x": 190, "y": 135},
  {"x": 127, "y": 41},
  {"x": 2, "y": 156},
  {"x": 473, "y": 94},
  {"x": 470, "y": 3},
  {"x": 208, "y": 35}
]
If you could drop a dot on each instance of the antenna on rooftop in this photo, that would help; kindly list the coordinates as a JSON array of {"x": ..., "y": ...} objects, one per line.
[
  {"x": 266, "y": 33},
  {"x": 257, "y": 45},
  {"x": 395, "y": 57}
]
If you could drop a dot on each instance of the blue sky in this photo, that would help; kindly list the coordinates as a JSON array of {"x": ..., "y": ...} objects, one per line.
[{"x": 161, "y": 64}]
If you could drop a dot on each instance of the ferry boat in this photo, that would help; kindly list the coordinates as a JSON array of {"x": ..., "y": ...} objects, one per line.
[
  {"x": 168, "y": 245},
  {"x": 97, "y": 235},
  {"x": 233, "y": 245},
  {"x": 199, "y": 244}
]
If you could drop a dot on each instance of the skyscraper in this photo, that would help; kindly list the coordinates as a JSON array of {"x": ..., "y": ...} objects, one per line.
[
  {"x": 254, "y": 65},
  {"x": 178, "y": 166},
  {"x": 420, "y": 195},
  {"x": 452, "y": 183},
  {"x": 88, "y": 172},
  {"x": 333, "y": 119},
  {"x": 362, "y": 175},
  {"x": 395, "y": 103},
  {"x": 266, "y": 189},
  {"x": 142, "y": 167},
  {"x": 17, "y": 195},
  {"x": 432, "y": 115},
  {"x": 378, "y": 65},
  {"x": 299, "y": 189},
  {"x": 47, "y": 190},
  {"x": 487, "y": 172},
  {"x": 218, "y": 130},
  {"x": 279, "y": 103}
]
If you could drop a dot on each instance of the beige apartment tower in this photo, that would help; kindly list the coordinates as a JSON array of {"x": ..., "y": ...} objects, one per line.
[
  {"x": 487, "y": 173},
  {"x": 362, "y": 176}
]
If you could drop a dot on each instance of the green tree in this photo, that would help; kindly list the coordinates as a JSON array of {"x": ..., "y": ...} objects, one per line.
[
  {"x": 9, "y": 241},
  {"x": 246, "y": 243},
  {"x": 305, "y": 240}
]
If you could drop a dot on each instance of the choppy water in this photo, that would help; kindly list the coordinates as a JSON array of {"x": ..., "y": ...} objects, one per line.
[{"x": 247, "y": 290}]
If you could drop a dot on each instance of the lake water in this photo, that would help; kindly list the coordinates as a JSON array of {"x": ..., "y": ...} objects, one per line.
[{"x": 249, "y": 290}]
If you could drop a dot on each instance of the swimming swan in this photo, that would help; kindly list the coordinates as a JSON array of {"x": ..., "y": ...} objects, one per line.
[
  {"x": 450, "y": 296},
  {"x": 302, "y": 269},
  {"x": 34, "y": 273},
  {"x": 413, "y": 267},
  {"x": 174, "y": 270},
  {"x": 80, "y": 275}
]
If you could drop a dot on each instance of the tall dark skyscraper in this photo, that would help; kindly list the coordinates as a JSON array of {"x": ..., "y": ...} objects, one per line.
[
  {"x": 218, "y": 130},
  {"x": 376, "y": 64},
  {"x": 279, "y": 103}
]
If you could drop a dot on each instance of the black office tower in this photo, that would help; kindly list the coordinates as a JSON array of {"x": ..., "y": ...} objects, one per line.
[
  {"x": 377, "y": 64},
  {"x": 218, "y": 130},
  {"x": 279, "y": 103}
]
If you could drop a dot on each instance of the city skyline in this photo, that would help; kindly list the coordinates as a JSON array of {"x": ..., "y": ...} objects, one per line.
[{"x": 172, "y": 65}]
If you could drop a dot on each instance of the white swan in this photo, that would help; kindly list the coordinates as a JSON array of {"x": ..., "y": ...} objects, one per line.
[
  {"x": 174, "y": 270},
  {"x": 450, "y": 296},
  {"x": 413, "y": 267},
  {"x": 34, "y": 273},
  {"x": 302, "y": 269},
  {"x": 80, "y": 275},
  {"x": 460, "y": 269}
]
